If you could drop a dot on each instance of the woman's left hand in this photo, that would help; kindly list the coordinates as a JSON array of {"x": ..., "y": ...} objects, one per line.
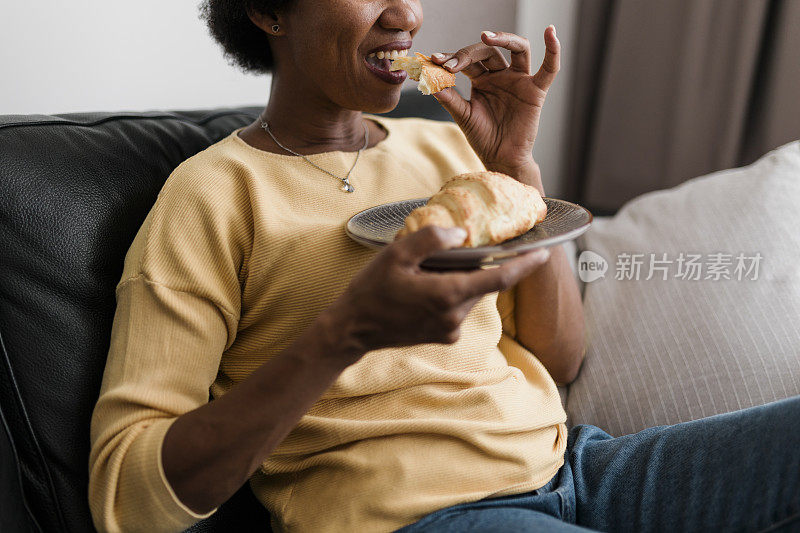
[{"x": 501, "y": 118}]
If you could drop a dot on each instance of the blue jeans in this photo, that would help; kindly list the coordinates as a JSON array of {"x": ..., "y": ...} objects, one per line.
[{"x": 737, "y": 471}]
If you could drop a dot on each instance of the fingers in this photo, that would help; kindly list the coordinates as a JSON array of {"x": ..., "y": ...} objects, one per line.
[
  {"x": 415, "y": 247},
  {"x": 503, "y": 277},
  {"x": 477, "y": 59},
  {"x": 519, "y": 47},
  {"x": 552, "y": 60},
  {"x": 474, "y": 70},
  {"x": 455, "y": 104},
  {"x": 472, "y": 60},
  {"x": 495, "y": 59}
]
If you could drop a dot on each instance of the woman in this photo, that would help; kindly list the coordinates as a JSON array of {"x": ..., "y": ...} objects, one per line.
[{"x": 353, "y": 389}]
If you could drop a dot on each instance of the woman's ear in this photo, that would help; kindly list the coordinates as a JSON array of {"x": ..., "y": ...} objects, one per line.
[{"x": 268, "y": 21}]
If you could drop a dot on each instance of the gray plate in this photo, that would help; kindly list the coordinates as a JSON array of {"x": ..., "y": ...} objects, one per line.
[{"x": 376, "y": 227}]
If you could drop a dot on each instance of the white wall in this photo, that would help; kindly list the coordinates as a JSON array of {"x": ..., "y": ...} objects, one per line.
[
  {"x": 60, "y": 56},
  {"x": 533, "y": 16}
]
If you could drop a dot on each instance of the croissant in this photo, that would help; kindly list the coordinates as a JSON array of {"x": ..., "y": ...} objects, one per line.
[
  {"x": 492, "y": 208},
  {"x": 431, "y": 77}
]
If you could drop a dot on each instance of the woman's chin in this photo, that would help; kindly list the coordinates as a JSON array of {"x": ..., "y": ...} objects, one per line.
[{"x": 382, "y": 102}]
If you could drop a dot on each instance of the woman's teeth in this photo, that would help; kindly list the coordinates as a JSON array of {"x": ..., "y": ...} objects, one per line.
[{"x": 390, "y": 54}]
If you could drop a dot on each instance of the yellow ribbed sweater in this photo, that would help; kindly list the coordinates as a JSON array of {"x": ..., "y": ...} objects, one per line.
[{"x": 240, "y": 252}]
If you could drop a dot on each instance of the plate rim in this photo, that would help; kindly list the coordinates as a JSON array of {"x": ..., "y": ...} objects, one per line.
[{"x": 487, "y": 252}]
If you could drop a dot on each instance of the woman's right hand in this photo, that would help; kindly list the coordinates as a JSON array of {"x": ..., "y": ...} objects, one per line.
[
  {"x": 395, "y": 302},
  {"x": 390, "y": 302}
]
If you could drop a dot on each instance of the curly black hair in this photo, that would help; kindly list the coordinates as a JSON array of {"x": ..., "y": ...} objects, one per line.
[{"x": 245, "y": 45}]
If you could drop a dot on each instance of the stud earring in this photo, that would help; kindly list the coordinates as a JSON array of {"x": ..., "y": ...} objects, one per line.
[{"x": 275, "y": 28}]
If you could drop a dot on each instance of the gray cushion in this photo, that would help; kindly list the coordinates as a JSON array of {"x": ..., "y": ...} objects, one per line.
[{"x": 666, "y": 351}]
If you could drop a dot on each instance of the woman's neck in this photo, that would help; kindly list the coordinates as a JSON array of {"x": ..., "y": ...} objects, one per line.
[{"x": 304, "y": 123}]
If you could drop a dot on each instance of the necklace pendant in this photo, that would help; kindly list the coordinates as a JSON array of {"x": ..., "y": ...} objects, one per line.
[{"x": 345, "y": 183}]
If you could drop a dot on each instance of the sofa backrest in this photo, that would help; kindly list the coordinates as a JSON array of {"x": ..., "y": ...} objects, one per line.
[{"x": 74, "y": 190}]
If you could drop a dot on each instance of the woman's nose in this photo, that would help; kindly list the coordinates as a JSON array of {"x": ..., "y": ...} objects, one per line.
[{"x": 405, "y": 15}]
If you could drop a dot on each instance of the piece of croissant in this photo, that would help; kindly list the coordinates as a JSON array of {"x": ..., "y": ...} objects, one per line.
[
  {"x": 431, "y": 77},
  {"x": 491, "y": 206}
]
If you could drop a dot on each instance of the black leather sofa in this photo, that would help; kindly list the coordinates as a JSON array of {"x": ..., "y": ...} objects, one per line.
[{"x": 74, "y": 189}]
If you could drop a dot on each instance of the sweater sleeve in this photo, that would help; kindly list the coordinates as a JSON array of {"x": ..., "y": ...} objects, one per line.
[{"x": 178, "y": 304}]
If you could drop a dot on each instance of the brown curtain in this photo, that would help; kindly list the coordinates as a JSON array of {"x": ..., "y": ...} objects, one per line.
[{"x": 667, "y": 90}]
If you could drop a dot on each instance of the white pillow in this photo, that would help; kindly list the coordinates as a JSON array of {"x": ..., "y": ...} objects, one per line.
[{"x": 662, "y": 352}]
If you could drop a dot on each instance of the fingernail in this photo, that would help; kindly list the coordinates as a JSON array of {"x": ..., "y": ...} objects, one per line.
[
  {"x": 451, "y": 63},
  {"x": 554, "y": 29},
  {"x": 437, "y": 55},
  {"x": 489, "y": 33}
]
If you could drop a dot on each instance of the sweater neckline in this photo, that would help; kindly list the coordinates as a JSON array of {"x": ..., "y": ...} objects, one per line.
[{"x": 380, "y": 146}]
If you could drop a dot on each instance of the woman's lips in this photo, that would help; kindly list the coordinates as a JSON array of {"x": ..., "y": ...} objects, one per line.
[{"x": 380, "y": 67}]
